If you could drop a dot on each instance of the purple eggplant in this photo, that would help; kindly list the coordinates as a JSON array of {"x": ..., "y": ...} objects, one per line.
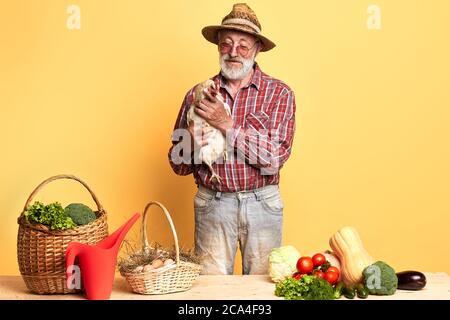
[{"x": 411, "y": 280}]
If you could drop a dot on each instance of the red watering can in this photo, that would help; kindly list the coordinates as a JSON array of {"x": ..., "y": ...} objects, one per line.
[{"x": 97, "y": 263}]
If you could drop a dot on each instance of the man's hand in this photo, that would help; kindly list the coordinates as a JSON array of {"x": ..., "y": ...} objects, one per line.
[
  {"x": 199, "y": 137},
  {"x": 213, "y": 111}
]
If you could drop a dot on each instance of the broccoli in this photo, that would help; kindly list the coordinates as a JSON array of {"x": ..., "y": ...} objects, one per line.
[
  {"x": 80, "y": 213},
  {"x": 380, "y": 279}
]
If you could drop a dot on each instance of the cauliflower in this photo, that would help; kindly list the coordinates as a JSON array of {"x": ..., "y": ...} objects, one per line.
[
  {"x": 283, "y": 262},
  {"x": 80, "y": 213}
]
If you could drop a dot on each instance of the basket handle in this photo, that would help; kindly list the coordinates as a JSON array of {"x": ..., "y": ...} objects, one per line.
[
  {"x": 58, "y": 177},
  {"x": 144, "y": 228}
]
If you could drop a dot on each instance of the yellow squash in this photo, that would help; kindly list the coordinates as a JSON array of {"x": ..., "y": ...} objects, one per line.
[{"x": 347, "y": 245}]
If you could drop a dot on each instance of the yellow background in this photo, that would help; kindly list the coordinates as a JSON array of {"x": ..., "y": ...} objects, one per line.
[{"x": 372, "y": 144}]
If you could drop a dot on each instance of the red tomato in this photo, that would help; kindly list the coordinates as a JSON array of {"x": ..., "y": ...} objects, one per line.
[
  {"x": 333, "y": 269},
  {"x": 297, "y": 275},
  {"x": 305, "y": 265},
  {"x": 331, "y": 277},
  {"x": 318, "y": 259},
  {"x": 319, "y": 274}
]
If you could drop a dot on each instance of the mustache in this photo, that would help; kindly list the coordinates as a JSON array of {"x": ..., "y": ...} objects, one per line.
[
  {"x": 233, "y": 60},
  {"x": 227, "y": 57}
]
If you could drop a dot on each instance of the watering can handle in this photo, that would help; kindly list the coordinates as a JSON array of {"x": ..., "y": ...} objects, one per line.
[
  {"x": 70, "y": 255},
  {"x": 172, "y": 228}
]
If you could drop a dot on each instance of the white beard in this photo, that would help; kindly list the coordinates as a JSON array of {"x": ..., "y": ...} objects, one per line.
[{"x": 235, "y": 73}]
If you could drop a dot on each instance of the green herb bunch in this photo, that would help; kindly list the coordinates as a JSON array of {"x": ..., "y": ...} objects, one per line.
[
  {"x": 306, "y": 288},
  {"x": 52, "y": 215}
]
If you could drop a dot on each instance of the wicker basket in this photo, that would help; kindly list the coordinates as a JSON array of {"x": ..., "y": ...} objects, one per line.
[
  {"x": 168, "y": 279},
  {"x": 41, "y": 251}
]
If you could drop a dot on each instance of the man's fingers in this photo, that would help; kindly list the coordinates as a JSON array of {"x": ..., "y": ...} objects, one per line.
[
  {"x": 201, "y": 111},
  {"x": 209, "y": 96},
  {"x": 207, "y": 103},
  {"x": 207, "y": 136},
  {"x": 201, "y": 142},
  {"x": 201, "y": 138},
  {"x": 207, "y": 130},
  {"x": 203, "y": 105}
]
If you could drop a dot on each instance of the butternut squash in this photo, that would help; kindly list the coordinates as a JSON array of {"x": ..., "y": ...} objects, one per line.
[{"x": 347, "y": 245}]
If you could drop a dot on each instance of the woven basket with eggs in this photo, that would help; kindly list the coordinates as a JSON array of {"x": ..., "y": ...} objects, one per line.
[{"x": 162, "y": 275}]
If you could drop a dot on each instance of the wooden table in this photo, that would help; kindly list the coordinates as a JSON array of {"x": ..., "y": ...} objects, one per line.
[{"x": 234, "y": 287}]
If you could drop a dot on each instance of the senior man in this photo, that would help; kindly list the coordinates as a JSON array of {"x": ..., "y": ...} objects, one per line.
[{"x": 246, "y": 207}]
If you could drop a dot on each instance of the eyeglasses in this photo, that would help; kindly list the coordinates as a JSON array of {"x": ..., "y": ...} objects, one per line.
[{"x": 227, "y": 47}]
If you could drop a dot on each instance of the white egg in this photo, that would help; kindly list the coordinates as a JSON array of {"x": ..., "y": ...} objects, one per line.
[{"x": 138, "y": 269}]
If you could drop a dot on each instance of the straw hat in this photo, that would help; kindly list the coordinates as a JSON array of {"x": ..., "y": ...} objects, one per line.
[{"x": 241, "y": 18}]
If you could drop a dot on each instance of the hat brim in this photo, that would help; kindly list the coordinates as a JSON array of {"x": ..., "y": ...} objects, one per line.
[{"x": 210, "y": 34}]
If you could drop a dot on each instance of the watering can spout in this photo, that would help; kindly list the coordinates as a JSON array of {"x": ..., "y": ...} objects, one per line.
[
  {"x": 113, "y": 241},
  {"x": 97, "y": 263}
]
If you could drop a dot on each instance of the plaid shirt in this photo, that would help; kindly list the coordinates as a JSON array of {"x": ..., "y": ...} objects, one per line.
[{"x": 263, "y": 113}]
